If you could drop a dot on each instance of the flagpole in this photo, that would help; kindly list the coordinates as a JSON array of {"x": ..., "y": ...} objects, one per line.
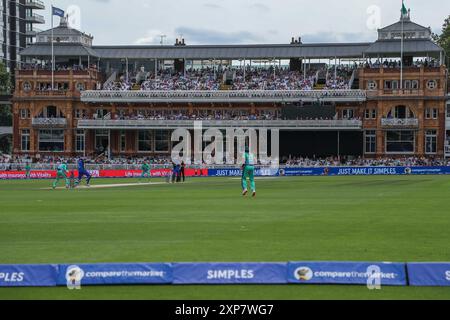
[
  {"x": 53, "y": 57},
  {"x": 401, "y": 50}
]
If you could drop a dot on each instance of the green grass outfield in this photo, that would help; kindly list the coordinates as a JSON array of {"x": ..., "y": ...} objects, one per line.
[{"x": 389, "y": 218}]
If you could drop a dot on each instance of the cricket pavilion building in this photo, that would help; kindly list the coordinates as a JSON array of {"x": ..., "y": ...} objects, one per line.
[{"x": 95, "y": 102}]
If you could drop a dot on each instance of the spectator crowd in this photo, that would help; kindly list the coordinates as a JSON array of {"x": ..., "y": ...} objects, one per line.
[{"x": 216, "y": 79}]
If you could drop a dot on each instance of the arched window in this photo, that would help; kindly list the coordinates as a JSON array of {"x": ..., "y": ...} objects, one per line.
[
  {"x": 401, "y": 112},
  {"x": 51, "y": 112}
]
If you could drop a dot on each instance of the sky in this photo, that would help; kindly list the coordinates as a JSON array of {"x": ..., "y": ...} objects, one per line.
[{"x": 142, "y": 22}]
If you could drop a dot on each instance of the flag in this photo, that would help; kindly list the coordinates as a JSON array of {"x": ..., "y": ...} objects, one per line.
[
  {"x": 57, "y": 12},
  {"x": 404, "y": 10}
]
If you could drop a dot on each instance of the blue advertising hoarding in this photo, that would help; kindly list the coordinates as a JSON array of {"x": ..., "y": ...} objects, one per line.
[
  {"x": 361, "y": 273},
  {"x": 28, "y": 275},
  {"x": 115, "y": 273},
  {"x": 429, "y": 274},
  {"x": 229, "y": 273},
  {"x": 237, "y": 172}
]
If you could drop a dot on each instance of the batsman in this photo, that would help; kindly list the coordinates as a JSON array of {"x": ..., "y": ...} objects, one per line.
[{"x": 248, "y": 172}]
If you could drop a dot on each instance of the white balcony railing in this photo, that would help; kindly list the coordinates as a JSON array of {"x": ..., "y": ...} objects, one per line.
[
  {"x": 224, "y": 96},
  {"x": 222, "y": 124},
  {"x": 400, "y": 122},
  {"x": 49, "y": 122}
]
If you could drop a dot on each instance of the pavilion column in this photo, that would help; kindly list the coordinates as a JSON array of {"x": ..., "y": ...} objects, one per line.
[
  {"x": 69, "y": 136},
  {"x": 420, "y": 136},
  {"x": 380, "y": 132}
]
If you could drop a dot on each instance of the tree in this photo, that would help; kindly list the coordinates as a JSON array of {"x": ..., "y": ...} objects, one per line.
[
  {"x": 5, "y": 144},
  {"x": 5, "y": 80},
  {"x": 444, "y": 38}
]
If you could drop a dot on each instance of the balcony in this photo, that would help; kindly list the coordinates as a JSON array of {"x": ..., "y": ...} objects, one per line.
[
  {"x": 34, "y": 18},
  {"x": 397, "y": 92},
  {"x": 50, "y": 93},
  {"x": 400, "y": 123},
  {"x": 225, "y": 96},
  {"x": 34, "y": 4},
  {"x": 297, "y": 125},
  {"x": 406, "y": 70},
  {"x": 49, "y": 122},
  {"x": 32, "y": 33}
]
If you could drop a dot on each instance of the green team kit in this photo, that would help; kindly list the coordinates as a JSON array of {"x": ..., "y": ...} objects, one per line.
[
  {"x": 61, "y": 173},
  {"x": 248, "y": 172},
  {"x": 145, "y": 170},
  {"x": 28, "y": 171}
]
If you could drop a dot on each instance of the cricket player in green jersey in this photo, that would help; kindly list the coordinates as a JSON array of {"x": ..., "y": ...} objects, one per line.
[
  {"x": 248, "y": 171},
  {"x": 145, "y": 171},
  {"x": 61, "y": 173},
  {"x": 27, "y": 171}
]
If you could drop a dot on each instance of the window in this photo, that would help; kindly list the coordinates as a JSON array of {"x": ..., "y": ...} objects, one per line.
[
  {"x": 415, "y": 84},
  {"x": 27, "y": 86},
  {"x": 370, "y": 114},
  {"x": 80, "y": 114},
  {"x": 431, "y": 113},
  {"x": 407, "y": 84},
  {"x": 101, "y": 113},
  {"x": 25, "y": 140},
  {"x": 80, "y": 141},
  {"x": 51, "y": 112},
  {"x": 370, "y": 141},
  {"x": 123, "y": 142},
  {"x": 430, "y": 141},
  {"x": 145, "y": 138},
  {"x": 432, "y": 84},
  {"x": 371, "y": 85},
  {"x": 395, "y": 85},
  {"x": 80, "y": 86},
  {"x": 25, "y": 114},
  {"x": 400, "y": 141},
  {"x": 401, "y": 112},
  {"x": 347, "y": 114},
  {"x": 391, "y": 85},
  {"x": 101, "y": 141},
  {"x": 161, "y": 141},
  {"x": 51, "y": 140}
]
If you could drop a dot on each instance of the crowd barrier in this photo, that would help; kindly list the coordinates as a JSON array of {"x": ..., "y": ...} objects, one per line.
[
  {"x": 293, "y": 273},
  {"x": 236, "y": 172},
  {"x": 51, "y": 174}
]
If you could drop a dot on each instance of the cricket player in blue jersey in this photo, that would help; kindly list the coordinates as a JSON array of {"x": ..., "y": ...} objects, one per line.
[
  {"x": 82, "y": 172},
  {"x": 248, "y": 171}
]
